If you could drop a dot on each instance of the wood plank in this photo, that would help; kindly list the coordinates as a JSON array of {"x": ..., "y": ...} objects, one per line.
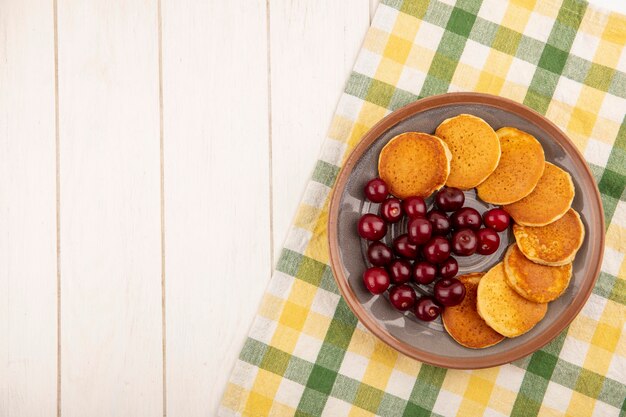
[
  {"x": 28, "y": 284},
  {"x": 111, "y": 327},
  {"x": 217, "y": 224},
  {"x": 313, "y": 48}
]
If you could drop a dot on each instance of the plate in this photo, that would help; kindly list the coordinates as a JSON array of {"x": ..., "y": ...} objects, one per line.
[{"x": 429, "y": 342}]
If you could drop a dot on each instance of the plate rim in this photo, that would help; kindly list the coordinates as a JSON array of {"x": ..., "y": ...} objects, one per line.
[{"x": 369, "y": 321}]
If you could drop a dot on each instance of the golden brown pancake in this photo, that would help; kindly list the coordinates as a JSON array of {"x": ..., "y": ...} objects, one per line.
[
  {"x": 555, "y": 244},
  {"x": 550, "y": 199},
  {"x": 504, "y": 310},
  {"x": 475, "y": 150},
  {"x": 464, "y": 324},
  {"x": 535, "y": 282},
  {"x": 521, "y": 165},
  {"x": 414, "y": 164}
]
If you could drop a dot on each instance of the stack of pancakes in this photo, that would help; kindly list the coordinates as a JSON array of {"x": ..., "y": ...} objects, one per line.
[
  {"x": 508, "y": 168},
  {"x": 512, "y": 297}
]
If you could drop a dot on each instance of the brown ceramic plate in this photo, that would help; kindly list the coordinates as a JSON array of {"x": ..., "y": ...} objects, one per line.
[{"x": 429, "y": 342}]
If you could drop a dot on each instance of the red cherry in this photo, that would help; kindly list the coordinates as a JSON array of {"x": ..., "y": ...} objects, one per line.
[
  {"x": 441, "y": 222},
  {"x": 379, "y": 254},
  {"x": 424, "y": 272},
  {"x": 420, "y": 230},
  {"x": 376, "y": 190},
  {"x": 391, "y": 210},
  {"x": 400, "y": 271},
  {"x": 427, "y": 309},
  {"x": 403, "y": 247},
  {"x": 497, "y": 219},
  {"x": 436, "y": 250},
  {"x": 449, "y": 291},
  {"x": 466, "y": 217},
  {"x": 488, "y": 241},
  {"x": 402, "y": 297},
  {"x": 376, "y": 280},
  {"x": 464, "y": 242},
  {"x": 449, "y": 199},
  {"x": 372, "y": 227},
  {"x": 449, "y": 268},
  {"x": 414, "y": 207}
]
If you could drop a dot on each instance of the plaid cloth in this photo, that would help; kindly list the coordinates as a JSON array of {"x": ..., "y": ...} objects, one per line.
[{"x": 307, "y": 355}]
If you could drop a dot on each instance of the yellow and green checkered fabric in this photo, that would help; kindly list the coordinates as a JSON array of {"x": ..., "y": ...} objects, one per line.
[{"x": 308, "y": 356}]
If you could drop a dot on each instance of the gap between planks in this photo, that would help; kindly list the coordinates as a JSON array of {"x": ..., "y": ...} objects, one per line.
[
  {"x": 58, "y": 196},
  {"x": 162, "y": 208},
  {"x": 269, "y": 130}
]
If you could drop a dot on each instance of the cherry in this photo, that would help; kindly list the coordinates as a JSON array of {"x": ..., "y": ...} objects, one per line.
[
  {"x": 379, "y": 254},
  {"x": 391, "y": 210},
  {"x": 414, "y": 207},
  {"x": 372, "y": 227},
  {"x": 376, "y": 190},
  {"x": 466, "y": 217},
  {"x": 449, "y": 199},
  {"x": 400, "y": 271},
  {"x": 424, "y": 272},
  {"x": 402, "y": 297},
  {"x": 376, "y": 280},
  {"x": 404, "y": 247},
  {"x": 427, "y": 309},
  {"x": 436, "y": 250},
  {"x": 441, "y": 222},
  {"x": 449, "y": 291},
  {"x": 420, "y": 230},
  {"x": 488, "y": 241},
  {"x": 449, "y": 268},
  {"x": 497, "y": 219},
  {"x": 464, "y": 242}
]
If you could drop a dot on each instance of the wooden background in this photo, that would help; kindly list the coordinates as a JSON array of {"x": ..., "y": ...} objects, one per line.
[{"x": 152, "y": 154}]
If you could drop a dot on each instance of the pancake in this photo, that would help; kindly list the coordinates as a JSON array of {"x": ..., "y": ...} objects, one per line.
[
  {"x": 555, "y": 244},
  {"x": 535, "y": 282},
  {"x": 475, "y": 150},
  {"x": 550, "y": 199},
  {"x": 504, "y": 310},
  {"x": 464, "y": 324},
  {"x": 521, "y": 165},
  {"x": 414, "y": 164}
]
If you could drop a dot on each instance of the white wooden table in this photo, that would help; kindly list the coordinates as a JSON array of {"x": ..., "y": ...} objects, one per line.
[{"x": 152, "y": 155}]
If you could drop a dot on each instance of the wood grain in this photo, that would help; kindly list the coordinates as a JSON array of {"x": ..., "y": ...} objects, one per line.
[
  {"x": 313, "y": 47},
  {"x": 28, "y": 319},
  {"x": 110, "y": 211},
  {"x": 217, "y": 218}
]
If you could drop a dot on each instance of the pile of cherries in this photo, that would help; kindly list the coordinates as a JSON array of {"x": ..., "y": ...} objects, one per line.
[{"x": 423, "y": 254}]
